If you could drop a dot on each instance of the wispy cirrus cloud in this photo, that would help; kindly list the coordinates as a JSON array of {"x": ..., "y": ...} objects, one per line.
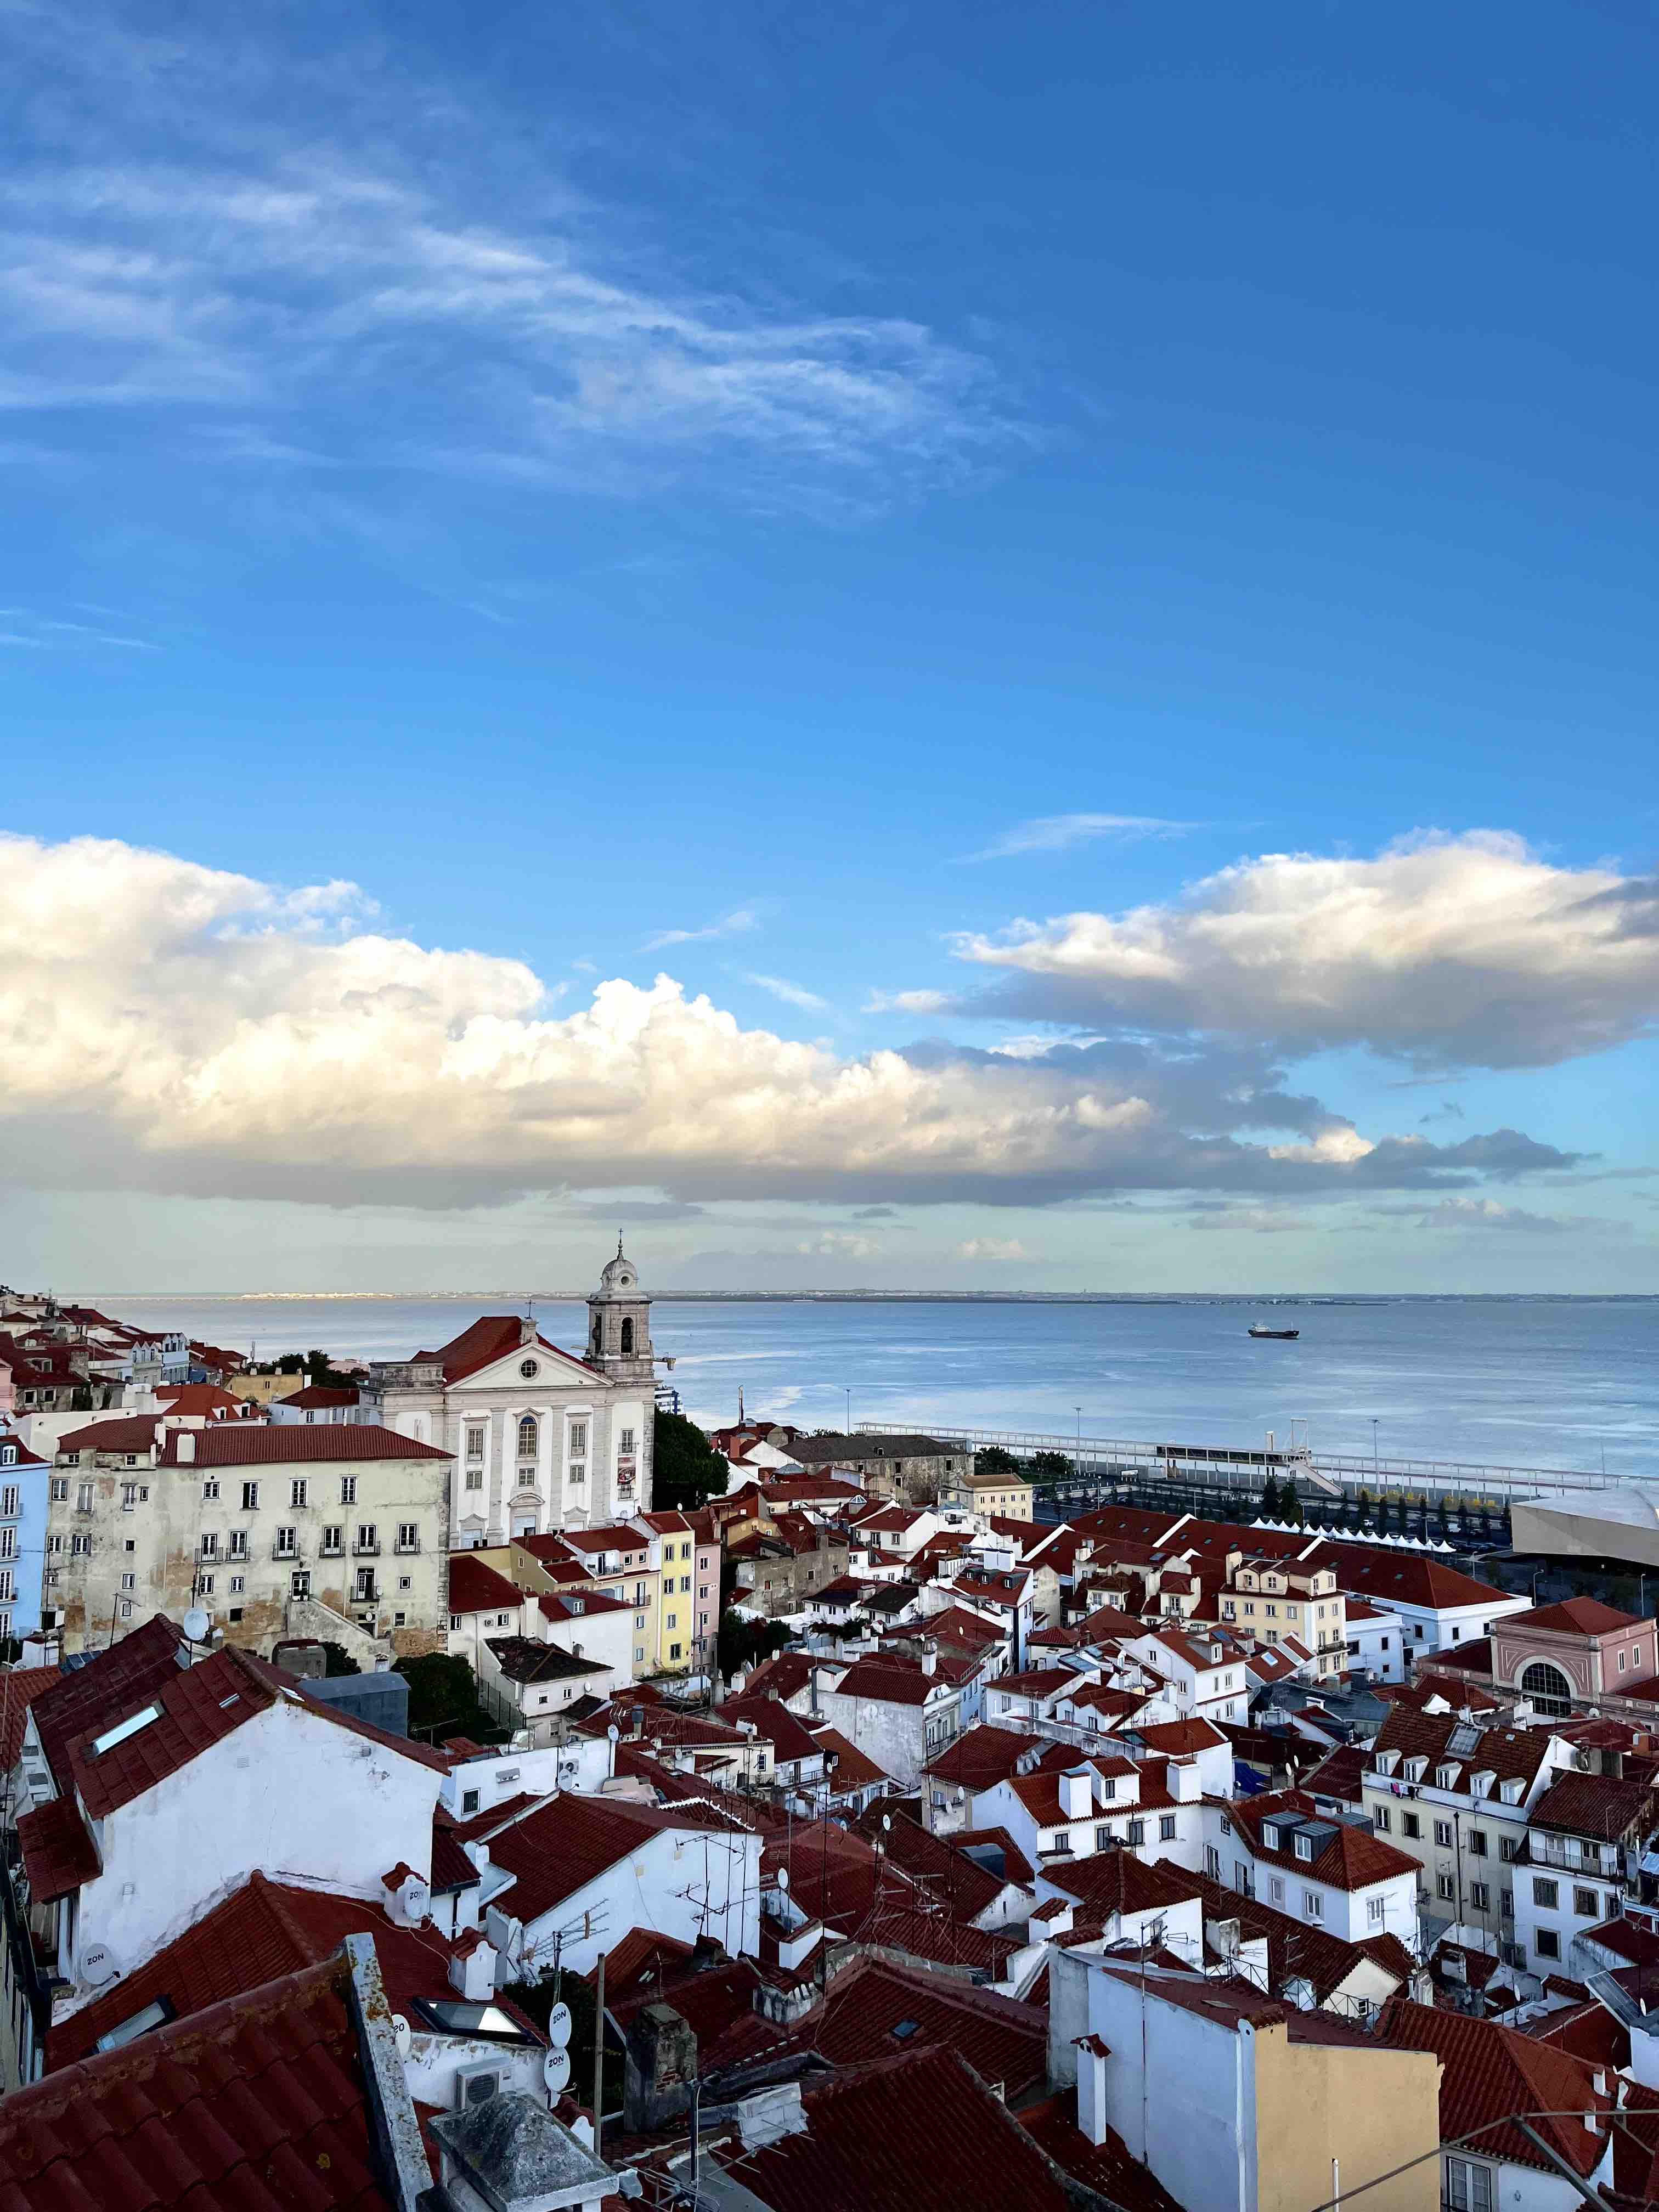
[
  {"x": 736, "y": 924},
  {"x": 1057, "y": 833},
  {"x": 791, "y": 995},
  {"x": 906, "y": 1002},
  {"x": 356, "y": 288}
]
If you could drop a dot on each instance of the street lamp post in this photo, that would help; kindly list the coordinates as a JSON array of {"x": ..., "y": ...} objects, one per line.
[
  {"x": 1376, "y": 1464},
  {"x": 1078, "y": 1462},
  {"x": 848, "y": 1389}
]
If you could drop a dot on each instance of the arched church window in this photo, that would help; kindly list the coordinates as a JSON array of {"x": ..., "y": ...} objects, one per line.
[
  {"x": 1548, "y": 1688},
  {"x": 528, "y": 1433},
  {"x": 627, "y": 1335}
]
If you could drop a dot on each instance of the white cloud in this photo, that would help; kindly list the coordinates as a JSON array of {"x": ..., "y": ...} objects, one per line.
[
  {"x": 171, "y": 1027},
  {"x": 1055, "y": 833},
  {"x": 348, "y": 240},
  {"x": 998, "y": 1249},
  {"x": 906, "y": 1002},
  {"x": 792, "y": 994},
  {"x": 730, "y": 925},
  {"x": 1443, "y": 952}
]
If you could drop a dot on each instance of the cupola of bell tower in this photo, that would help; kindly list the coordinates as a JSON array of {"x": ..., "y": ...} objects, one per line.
[{"x": 619, "y": 1323}]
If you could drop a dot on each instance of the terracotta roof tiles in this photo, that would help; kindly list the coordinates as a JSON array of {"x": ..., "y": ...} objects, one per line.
[{"x": 255, "y": 2103}]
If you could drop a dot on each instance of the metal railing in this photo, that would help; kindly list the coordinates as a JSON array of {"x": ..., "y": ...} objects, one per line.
[{"x": 1244, "y": 1466}]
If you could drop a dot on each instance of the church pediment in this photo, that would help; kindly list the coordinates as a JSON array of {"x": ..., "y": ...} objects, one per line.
[{"x": 552, "y": 1369}]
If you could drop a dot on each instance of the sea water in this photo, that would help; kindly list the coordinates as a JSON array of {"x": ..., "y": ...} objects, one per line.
[{"x": 1529, "y": 1381}]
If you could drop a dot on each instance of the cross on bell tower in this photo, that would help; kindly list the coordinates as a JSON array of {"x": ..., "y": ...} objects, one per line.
[{"x": 619, "y": 1324}]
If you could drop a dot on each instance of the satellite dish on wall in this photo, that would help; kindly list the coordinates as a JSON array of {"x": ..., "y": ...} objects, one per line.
[
  {"x": 197, "y": 1625},
  {"x": 556, "y": 2070},
  {"x": 558, "y": 2027},
  {"x": 783, "y": 1879},
  {"x": 98, "y": 1966}
]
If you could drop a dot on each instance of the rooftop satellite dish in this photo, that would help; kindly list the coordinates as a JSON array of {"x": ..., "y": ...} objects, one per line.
[
  {"x": 556, "y": 2070},
  {"x": 400, "y": 2029},
  {"x": 558, "y": 2027},
  {"x": 887, "y": 1821},
  {"x": 614, "y": 1733},
  {"x": 197, "y": 1625},
  {"x": 783, "y": 1879}
]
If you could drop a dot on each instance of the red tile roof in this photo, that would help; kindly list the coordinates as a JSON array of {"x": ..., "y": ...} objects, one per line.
[
  {"x": 854, "y": 1771},
  {"x": 888, "y": 1680},
  {"x": 1006, "y": 2043},
  {"x": 1574, "y": 1616},
  {"x": 1490, "y": 2072},
  {"x": 130, "y": 1433},
  {"x": 115, "y": 1681},
  {"x": 198, "y": 1706},
  {"x": 1597, "y": 1805},
  {"x": 256, "y": 2104},
  {"x": 983, "y": 1756},
  {"x": 1350, "y": 1858},
  {"x": 193, "y": 1398},
  {"x": 264, "y": 1929},
  {"x": 1106, "y": 2167},
  {"x": 570, "y": 1841},
  {"x": 475, "y": 1588},
  {"x": 19, "y": 1687},
  {"x": 490, "y": 1338},
  {"x": 916, "y": 2133},
  {"x": 1117, "y": 1881},
  {"x": 262, "y": 1443},
  {"x": 58, "y": 1854}
]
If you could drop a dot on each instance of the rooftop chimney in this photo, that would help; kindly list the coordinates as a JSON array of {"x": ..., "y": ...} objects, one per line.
[{"x": 185, "y": 1447}]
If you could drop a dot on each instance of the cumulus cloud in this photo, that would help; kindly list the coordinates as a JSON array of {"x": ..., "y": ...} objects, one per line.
[
  {"x": 1000, "y": 1248},
  {"x": 1484, "y": 1214},
  {"x": 1055, "y": 833},
  {"x": 174, "y": 1027},
  {"x": 1442, "y": 952}
]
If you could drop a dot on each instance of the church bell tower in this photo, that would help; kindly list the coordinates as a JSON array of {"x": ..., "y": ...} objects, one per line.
[{"x": 619, "y": 1326}]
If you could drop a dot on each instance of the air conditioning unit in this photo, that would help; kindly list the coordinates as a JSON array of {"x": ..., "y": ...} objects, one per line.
[{"x": 476, "y": 2085}]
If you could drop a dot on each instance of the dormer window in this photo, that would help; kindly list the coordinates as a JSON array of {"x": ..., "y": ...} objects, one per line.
[
  {"x": 1416, "y": 1769},
  {"x": 1270, "y": 1839},
  {"x": 1445, "y": 1777},
  {"x": 1511, "y": 1791},
  {"x": 1305, "y": 1848},
  {"x": 1386, "y": 1761}
]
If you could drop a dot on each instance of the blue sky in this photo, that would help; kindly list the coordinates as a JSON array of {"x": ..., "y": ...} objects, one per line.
[{"x": 1081, "y": 579}]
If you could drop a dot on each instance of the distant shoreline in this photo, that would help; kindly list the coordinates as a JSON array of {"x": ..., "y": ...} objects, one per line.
[{"x": 898, "y": 1297}]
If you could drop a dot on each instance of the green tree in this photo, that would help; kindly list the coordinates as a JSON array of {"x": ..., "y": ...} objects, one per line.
[
  {"x": 1270, "y": 1508},
  {"x": 338, "y": 1660},
  {"x": 1290, "y": 1506},
  {"x": 992, "y": 1459},
  {"x": 1048, "y": 1466},
  {"x": 686, "y": 1469},
  {"x": 443, "y": 1700},
  {"x": 743, "y": 1643}
]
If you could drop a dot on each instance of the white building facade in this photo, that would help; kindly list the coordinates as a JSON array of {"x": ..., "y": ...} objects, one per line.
[{"x": 542, "y": 1439}]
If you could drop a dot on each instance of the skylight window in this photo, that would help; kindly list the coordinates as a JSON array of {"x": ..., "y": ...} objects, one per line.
[
  {"x": 130, "y": 1727},
  {"x": 137, "y": 2024},
  {"x": 905, "y": 2030}
]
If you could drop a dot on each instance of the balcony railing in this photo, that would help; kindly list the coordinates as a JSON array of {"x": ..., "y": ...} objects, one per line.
[{"x": 369, "y": 1551}]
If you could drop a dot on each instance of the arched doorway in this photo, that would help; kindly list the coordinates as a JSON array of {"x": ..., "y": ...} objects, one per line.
[{"x": 1548, "y": 1688}]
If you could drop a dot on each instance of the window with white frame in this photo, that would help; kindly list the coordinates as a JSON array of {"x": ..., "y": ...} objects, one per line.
[
  {"x": 1313, "y": 1905},
  {"x": 298, "y": 1491},
  {"x": 250, "y": 1498},
  {"x": 1375, "y": 1910},
  {"x": 11, "y": 1502},
  {"x": 348, "y": 1490},
  {"x": 576, "y": 1440},
  {"x": 1470, "y": 2186}
]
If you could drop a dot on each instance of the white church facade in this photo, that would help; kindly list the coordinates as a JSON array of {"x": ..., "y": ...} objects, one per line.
[{"x": 542, "y": 1439}]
